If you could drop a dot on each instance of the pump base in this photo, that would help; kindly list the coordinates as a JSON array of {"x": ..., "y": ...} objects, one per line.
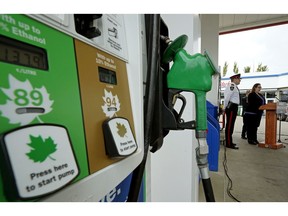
[{"x": 271, "y": 146}]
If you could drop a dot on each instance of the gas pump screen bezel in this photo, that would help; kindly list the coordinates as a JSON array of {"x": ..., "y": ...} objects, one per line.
[
  {"x": 107, "y": 76},
  {"x": 19, "y": 53}
]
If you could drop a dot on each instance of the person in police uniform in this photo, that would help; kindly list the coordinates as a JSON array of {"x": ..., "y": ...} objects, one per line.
[{"x": 231, "y": 102}]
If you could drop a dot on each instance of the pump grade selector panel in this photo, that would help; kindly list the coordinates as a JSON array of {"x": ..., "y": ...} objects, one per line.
[
  {"x": 105, "y": 94},
  {"x": 38, "y": 95},
  {"x": 58, "y": 85}
]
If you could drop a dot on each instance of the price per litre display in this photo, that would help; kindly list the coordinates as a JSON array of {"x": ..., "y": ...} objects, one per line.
[{"x": 19, "y": 53}]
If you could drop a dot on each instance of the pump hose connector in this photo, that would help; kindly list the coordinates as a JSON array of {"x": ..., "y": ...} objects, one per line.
[{"x": 166, "y": 39}]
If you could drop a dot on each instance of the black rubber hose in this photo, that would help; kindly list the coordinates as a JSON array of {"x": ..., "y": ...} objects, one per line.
[
  {"x": 149, "y": 100},
  {"x": 208, "y": 190}
]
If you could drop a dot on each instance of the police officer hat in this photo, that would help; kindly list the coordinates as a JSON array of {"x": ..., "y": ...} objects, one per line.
[{"x": 236, "y": 76}]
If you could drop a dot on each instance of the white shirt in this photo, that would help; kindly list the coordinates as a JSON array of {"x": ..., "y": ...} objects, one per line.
[{"x": 231, "y": 93}]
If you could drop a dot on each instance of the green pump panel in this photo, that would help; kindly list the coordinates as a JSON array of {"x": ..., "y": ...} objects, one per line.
[{"x": 41, "y": 124}]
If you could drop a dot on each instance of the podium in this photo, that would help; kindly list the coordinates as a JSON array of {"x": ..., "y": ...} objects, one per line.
[{"x": 270, "y": 127}]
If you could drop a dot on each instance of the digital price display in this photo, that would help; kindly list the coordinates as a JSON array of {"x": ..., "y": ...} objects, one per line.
[
  {"x": 107, "y": 76},
  {"x": 20, "y": 53}
]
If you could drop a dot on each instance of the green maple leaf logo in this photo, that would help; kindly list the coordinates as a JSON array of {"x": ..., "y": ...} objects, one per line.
[
  {"x": 41, "y": 149},
  {"x": 121, "y": 129}
]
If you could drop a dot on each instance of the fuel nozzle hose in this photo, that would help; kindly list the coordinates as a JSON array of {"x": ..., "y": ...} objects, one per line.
[
  {"x": 153, "y": 66},
  {"x": 203, "y": 149},
  {"x": 202, "y": 162}
]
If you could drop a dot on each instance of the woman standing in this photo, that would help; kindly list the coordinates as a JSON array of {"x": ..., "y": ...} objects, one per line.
[
  {"x": 244, "y": 106},
  {"x": 253, "y": 114}
]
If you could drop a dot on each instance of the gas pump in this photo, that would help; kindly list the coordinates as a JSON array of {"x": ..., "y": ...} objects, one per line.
[
  {"x": 66, "y": 118},
  {"x": 163, "y": 88},
  {"x": 191, "y": 73}
]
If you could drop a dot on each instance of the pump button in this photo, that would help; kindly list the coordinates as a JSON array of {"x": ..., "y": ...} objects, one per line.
[
  {"x": 118, "y": 136},
  {"x": 37, "y": 160}
]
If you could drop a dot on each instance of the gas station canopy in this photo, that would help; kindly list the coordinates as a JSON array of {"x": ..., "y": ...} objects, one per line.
[{"x": 229, "y": 23}]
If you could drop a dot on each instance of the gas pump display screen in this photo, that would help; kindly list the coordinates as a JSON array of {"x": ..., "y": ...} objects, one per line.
[
  {"x": 107, "y": 76},
  {"x": 20, "y": 53}
]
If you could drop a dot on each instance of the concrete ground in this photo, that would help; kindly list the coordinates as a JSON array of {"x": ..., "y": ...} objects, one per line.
[{"x": 257, "y": 174}]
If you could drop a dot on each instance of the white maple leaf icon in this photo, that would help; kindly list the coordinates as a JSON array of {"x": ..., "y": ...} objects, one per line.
[
  {"x": 111, "y": 104},
  {"x": 24, "y": 103}
]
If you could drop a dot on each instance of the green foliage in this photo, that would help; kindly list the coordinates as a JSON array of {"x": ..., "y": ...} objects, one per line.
[
  {"x": 247, "y": 69},
  {"x": 261, "y": 68},
  {"x": 225, "y": 68},
  {"x": 41, "y": 149},
  {"x": 265, "y": 68},
  {"x": 235, "y": 68}
]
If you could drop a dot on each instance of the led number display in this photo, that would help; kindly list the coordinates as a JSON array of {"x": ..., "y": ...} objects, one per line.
[{"x": 20, "y": 53}]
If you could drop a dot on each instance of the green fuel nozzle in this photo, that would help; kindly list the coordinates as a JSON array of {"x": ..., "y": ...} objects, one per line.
[{"x": 190, "y": 73}]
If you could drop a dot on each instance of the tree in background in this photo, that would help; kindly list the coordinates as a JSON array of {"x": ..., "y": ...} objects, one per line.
[
  {"x": 225, "y": 69},
  {"x": 247, "y": 69},
  {"x": 261, "y": 68},
  {"x": 235, "y": 68},
  {"x": 265, "y": 68}
]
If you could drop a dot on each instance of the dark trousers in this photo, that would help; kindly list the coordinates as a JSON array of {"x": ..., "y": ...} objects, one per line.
[
  {"x": 244, "y": 127},
  {"x": 253, "y": 122},
  {"x": 231, "y": 114}
]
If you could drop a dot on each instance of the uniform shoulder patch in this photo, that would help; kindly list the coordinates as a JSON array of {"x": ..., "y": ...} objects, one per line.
[{"x": 232, "y": 87}]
